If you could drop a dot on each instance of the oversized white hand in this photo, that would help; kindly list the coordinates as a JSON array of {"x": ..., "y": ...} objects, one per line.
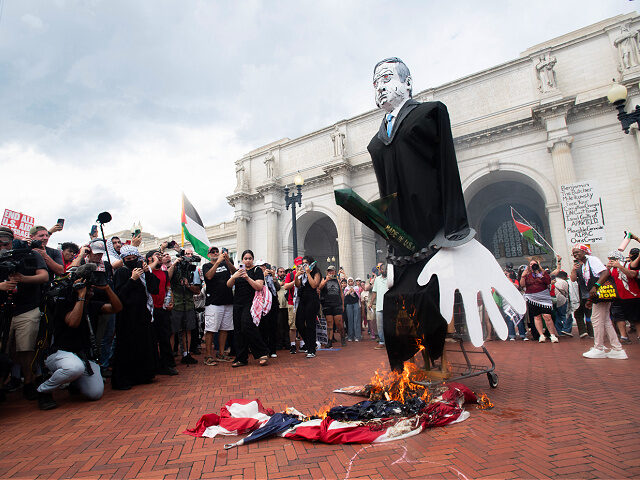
[{"x": 470, "y": 269}]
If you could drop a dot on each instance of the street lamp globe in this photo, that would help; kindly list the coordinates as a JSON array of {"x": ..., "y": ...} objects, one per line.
[
  {"x": 299, "y": 181},
  {"x": 617, "y": 93}
]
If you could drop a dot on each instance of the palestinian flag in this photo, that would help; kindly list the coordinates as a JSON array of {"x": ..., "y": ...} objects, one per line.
[
  {"x": 193, "y": 228},
  {"x": 527, "y": 232}
]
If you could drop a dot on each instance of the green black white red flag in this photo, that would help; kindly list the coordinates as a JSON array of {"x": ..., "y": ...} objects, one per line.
[
  {"x": 528, "y": 232},
  {"x": 193, "y": 228}
]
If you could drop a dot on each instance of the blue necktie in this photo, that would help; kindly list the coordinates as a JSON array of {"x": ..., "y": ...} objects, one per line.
[{"x": 389, "y": 124}]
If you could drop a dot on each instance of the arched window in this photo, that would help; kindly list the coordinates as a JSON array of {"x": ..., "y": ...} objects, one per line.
[{"x": 507, "y": 242}]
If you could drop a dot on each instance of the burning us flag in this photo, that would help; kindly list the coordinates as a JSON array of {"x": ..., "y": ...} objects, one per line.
[{"x": 365, "y": 422}]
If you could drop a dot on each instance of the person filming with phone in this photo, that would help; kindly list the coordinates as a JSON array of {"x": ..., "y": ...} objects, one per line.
[{"x": 535, "y": 282}]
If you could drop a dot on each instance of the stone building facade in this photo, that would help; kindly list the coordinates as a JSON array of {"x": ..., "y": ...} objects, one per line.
[{"x": 521, "y": 129}]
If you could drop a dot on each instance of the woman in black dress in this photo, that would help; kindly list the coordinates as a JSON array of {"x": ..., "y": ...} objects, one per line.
[
  {"x": 308, "y": 280},
  {"x": 247, "y": 280},
  {"x": 135, "y": 359}
]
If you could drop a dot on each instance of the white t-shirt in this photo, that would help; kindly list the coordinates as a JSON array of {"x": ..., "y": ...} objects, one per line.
[{"x": 380, "y": 288}]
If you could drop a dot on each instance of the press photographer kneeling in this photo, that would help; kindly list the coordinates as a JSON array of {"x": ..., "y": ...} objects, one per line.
[{"x": 72, "y": 360}]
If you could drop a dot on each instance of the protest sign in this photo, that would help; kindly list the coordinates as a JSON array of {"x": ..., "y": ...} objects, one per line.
[
  {"x": 18, "y": 222},
  {"x": 582, "y": 211},
  {"x": 321, "y": 330}
]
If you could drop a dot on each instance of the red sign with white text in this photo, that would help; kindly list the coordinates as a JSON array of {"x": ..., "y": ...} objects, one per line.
[{"x": 18, "y": 222}]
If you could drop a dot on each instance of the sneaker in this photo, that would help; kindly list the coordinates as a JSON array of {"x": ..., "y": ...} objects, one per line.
[
  {"x": 542, "y": 339},
  {"x": 293, "y": 350},
  {"x": 566, "y": 334},
  {"x": 617, "y": 354},
  {"x": 274, "y": 355},
  {"x": 512, "y": 339},
  {"x": 553, "y": 338},
  {"x": 582, "y": 335},
  {"x": 356, "y": 340},
  {"x": 351, "y": 339},
  {"x": 29, "y": 391},
  {"x": 210, "y": 362},
  {"x": 223, "y": 358},
  {"x": 13, "y": 384},
  {"x": 168, "y": 371},
  {"x": 188, "y": 360},
  {"x": 379, "y": 346},
  {"x": 46, "y": 401},
  {"x": 311, "y": 355},
  {"x": 525, "y": 339},
  {"x": 595, "y": 353},
  {"x": 330, "y": 344},
  {"x": 625, "y": 341}
]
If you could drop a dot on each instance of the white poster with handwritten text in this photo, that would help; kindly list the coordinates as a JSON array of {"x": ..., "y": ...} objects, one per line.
[{"x": 582, "y": 210}]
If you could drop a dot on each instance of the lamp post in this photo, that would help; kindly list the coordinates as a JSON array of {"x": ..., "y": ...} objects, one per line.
[
  {"x": 617, "y": 96},
  {"x": 292, "y": 200}
]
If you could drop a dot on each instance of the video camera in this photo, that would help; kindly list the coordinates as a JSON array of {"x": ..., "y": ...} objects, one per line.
[
  {"x": 17, "y": 260},
  {"x": 186, "y": 266},
  {"x": 63, "y": 287}
]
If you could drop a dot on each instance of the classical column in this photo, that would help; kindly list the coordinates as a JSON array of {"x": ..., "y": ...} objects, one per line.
[
  {"x": 242, "y": 235},
  {"x": 345, "y": 237},
  {"x": 562, "y": 159},
  {"x": 273, "y": 242}
]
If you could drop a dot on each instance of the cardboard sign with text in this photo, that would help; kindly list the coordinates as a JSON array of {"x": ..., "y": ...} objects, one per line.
[
  {"x": 18, "y": 222},
  {"x": 582, "y": 210}
]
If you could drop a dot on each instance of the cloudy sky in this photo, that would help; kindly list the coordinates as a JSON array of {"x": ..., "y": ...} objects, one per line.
[{"x": 122, "y": 105}]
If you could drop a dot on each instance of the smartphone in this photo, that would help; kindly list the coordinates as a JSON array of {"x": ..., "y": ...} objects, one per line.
[
  {"x": 312, "y": 265},
  {"x": 60, "y": 222},
  {"x": 94, "y": 230},
  {"x": 136, "y": 232},
  {"x": 224, "y": 250},
  {"x": 241, "y": 267}
]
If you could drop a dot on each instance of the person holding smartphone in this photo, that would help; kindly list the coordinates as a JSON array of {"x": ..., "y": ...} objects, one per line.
[
  {"x": 308, "y": 280},
  {"x": 535, "y": 282},
  {"x": 247, "y": 280},
  {"x": 331, "y": 298}
]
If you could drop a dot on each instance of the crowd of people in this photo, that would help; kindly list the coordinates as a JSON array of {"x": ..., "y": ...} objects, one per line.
[
  {"x": 77, "y": 318},
  {"x": 558, "y": 299}
]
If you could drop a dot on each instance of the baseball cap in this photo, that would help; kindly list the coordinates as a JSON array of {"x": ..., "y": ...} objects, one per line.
[
  {"x": 297, "y": 261},
  {"x": 213, "y": 248},
  {"x": 35, "y": 229},
  {"x": 6, "y": 232},
  {"x": 97, "y": 246},
  {"x": 331, "y": 267}
]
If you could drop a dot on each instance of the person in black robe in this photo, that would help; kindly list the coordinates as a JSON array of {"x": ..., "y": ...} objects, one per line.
[
  {"x": 413, "y": 157},
  {"x": 135, "y": 358}
]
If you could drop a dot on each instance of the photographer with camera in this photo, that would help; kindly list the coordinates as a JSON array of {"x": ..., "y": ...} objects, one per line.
[
  {"x": 52, "y": 257},
  {"x": 73, "y": 354},
  {"x": 185, "y": 283},
  {"x": 135, "y": 358},
  {"x": 22, "y": 273}
]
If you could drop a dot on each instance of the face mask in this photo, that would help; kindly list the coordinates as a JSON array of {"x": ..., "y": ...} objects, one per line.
[{"x": 131, "y": 264}]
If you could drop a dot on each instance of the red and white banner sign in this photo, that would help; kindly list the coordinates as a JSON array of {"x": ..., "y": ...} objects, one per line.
[{"x": 18, "y": 222}]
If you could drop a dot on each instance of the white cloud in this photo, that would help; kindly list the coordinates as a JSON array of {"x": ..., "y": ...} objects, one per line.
[{"x": 32, "y": 21}]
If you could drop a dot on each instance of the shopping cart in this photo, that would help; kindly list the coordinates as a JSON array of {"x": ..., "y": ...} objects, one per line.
[{"x": 456, "y": 362}]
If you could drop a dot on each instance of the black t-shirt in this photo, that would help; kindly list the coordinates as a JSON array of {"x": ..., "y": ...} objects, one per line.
[
  {"x": 244, "y": 293},
  {"x": 72, "y": 339},
  {"x": 29, "y": 295},
  {"x": 330, "y": 293},
  {"x": 56, "y": 256},
  {"x": 217, "y": 291},
  {"x": 309, "y": 293}
]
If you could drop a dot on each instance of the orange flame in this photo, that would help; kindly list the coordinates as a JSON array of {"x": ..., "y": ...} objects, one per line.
[
  {"x": 484, "y": 403},
  {"x": 398, "y": 386},
  {"x": 324, "y": 410}
]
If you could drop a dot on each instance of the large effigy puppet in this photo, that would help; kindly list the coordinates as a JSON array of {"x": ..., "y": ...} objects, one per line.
[{"x": 422, "y": 214}]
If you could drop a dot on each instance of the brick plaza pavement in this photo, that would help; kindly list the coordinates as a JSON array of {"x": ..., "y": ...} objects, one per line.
[{"x": 557, "y": 415}]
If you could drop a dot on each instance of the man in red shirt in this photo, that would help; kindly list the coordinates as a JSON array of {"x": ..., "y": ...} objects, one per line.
[
  {"x": 162, "y": 305},
  {"x": 626, "y": 306}
]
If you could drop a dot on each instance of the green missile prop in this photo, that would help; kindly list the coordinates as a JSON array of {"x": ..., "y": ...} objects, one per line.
[{"x": 371, "y": 214}]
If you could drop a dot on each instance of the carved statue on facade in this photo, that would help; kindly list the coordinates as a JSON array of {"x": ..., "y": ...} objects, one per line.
[
  {"x": 627, "y": 44},
  {"x": 269, "y": 163},
  {"x": 337, "y": 137},
  {"x": 240, "y": 177},
  {"x": 546, "y": 73}
]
